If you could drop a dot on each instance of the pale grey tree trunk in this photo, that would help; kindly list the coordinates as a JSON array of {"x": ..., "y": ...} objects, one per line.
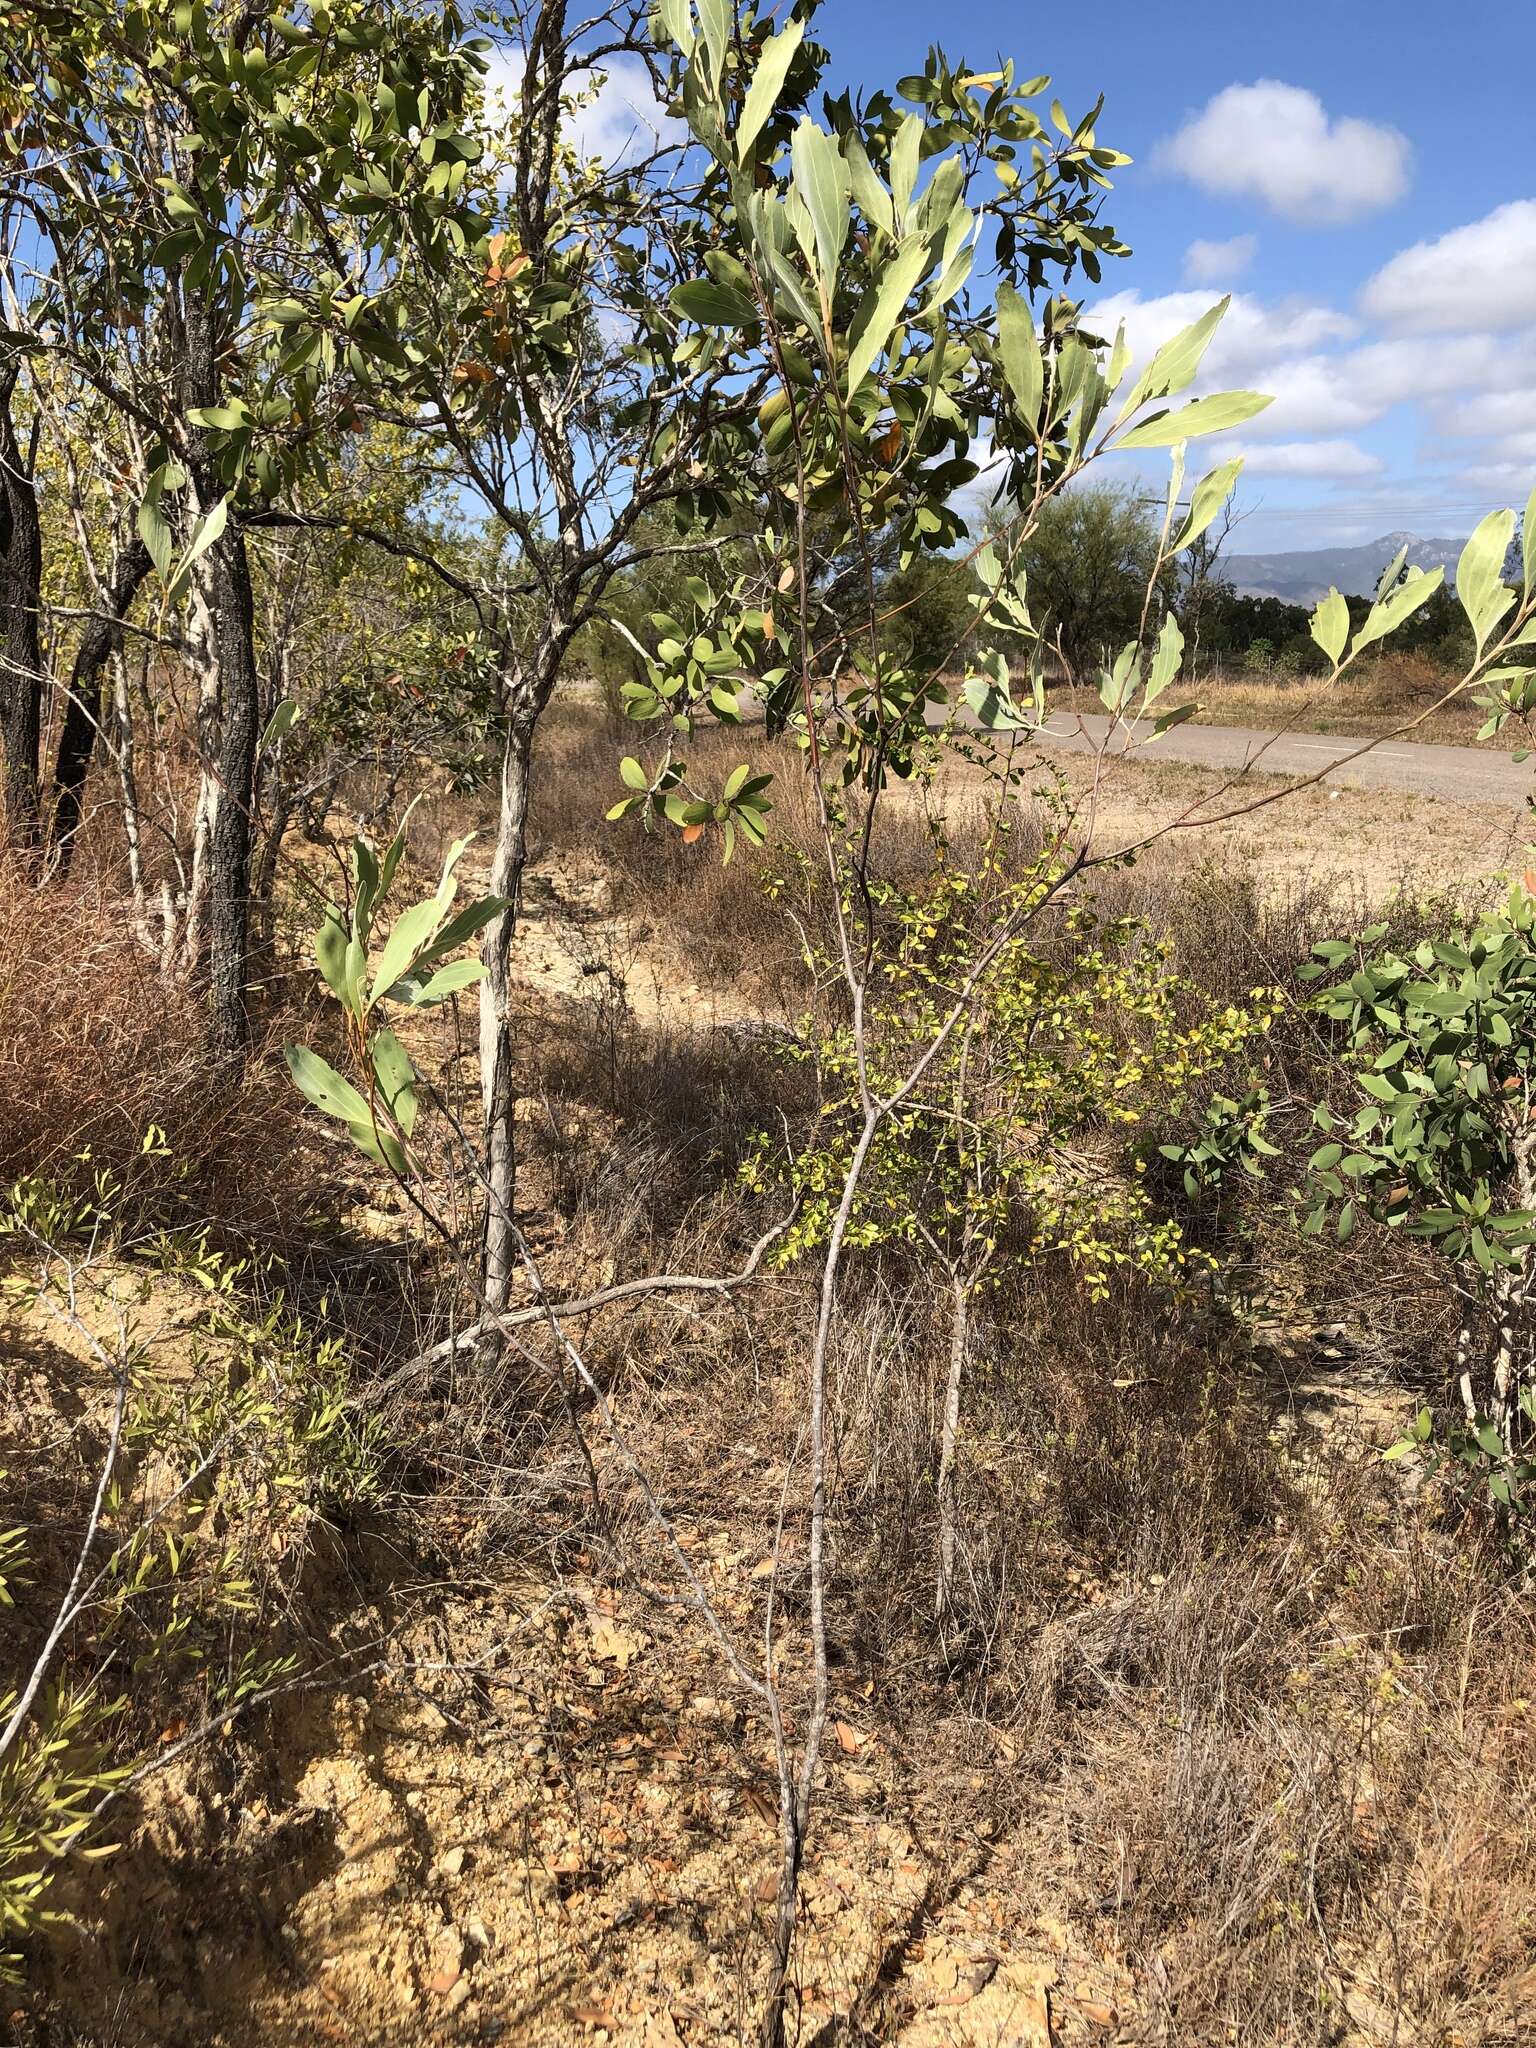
[
  {"x": 499, "y": 1256},
  {"x": 949, "y": 1441}
]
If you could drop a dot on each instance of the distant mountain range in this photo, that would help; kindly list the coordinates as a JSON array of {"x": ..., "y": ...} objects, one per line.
[{"x": 1307, "y": 574}]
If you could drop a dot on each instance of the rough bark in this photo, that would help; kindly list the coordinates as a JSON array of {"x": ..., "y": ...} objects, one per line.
[
  {"x": 234, "y": 768},
  {"x": 21, "y": 656},
  {"x": 100, "y": 639}
]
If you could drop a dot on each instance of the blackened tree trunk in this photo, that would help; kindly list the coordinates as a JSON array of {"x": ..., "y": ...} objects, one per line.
[
  {"x": 229, "y": 847},
  {"x": 102, "y": 637},
  {"x": 21, "y": 655}
]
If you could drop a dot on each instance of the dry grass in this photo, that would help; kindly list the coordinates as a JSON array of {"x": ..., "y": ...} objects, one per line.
[
  {"x": 1249, "y": 1718},
  {"x": 1379, "y": 697}
]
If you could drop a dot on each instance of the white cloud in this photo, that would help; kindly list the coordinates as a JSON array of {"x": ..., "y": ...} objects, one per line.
[
  {"x": 1299, "y": 352},
  {"x": 1335, "y": 458},
  {"x": 1251, "y": 333},
  {"x": 1476, "y": 277},
  {"x": 1276, "y": 143},
  {"x": 621, "y": 121},
  {"x": 1490, "y": 412},
  {"x": 1219, "y": 262}
]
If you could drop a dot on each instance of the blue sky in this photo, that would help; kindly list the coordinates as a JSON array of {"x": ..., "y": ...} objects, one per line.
[{"x": 1377, "y": 221}]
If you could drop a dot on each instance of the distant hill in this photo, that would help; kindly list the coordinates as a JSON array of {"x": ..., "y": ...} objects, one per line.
[{"x": 1305, "y": 575}]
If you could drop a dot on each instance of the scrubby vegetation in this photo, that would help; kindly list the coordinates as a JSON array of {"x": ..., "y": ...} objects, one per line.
[{"x": 689, "y": 1352}]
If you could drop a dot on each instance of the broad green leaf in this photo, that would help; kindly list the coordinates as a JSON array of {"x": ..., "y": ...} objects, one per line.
[
  {"x": 410, "y": 933},
  {"x": 767, "y": 83},
  {"x": 1206, "y": 500},
  {"x": 1020, "y": 352},
  {"x": 881, "y": 310},
  {"x": 209, "y": 530},
  {"x": 462, "y": 927},
  {"x": 1167, "y": 720},
  {"x": 1528, "y": 545},
  {"x": 632, "y": 775},
  {"x": 821, "y": 180},
  {"x": 320, "y": 1084},
  {"x": 1201, "y": 416},
  {"x": 867, "y": 188},
  {"x": 991, "y": 703},
  {"x": 396, "y": 1078},
  {"x": 713, "y": 305},
  {"x": 1166, "y": 656},
  {"x": 447, "y": 981},
  {"x": 905, "y": 153},
  {"x": 1330, "y": 626},
  {"x": 155, "y": 532},
  {"x": 331, "y": 952},
  {"x": 280, "y": 722},
  {"x": 1389, "y": 612},
  {"x": 1173, "y": 367},
  {"x": 380, "y": 1145},
  {"x": 1483, "y": 596}
]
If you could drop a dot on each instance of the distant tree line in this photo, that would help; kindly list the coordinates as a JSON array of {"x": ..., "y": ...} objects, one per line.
[{"x": 1088, "y": 564}]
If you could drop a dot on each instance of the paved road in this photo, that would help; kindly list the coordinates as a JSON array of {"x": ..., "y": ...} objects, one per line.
[{"x": 1460, "y": 774}]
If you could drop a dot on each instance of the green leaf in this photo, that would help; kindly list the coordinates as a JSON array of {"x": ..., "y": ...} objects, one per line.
[
  {"x": 877, "y": 316},
  {"x": 1166, "y": 656},
  {"x": 1389, "y": 612},
  {"x": 821, "y": 180},
  {"x": 994, "y": 709},
  {"x": 380, "y": 1145},
  {"x": 1330, "y": 626},
  {"x": 767, "y": 83},
  {"x": 713, "y": 305},
  {"x": 1528, "y": 546},
  {"x": 320, "y": 1084},
  {"x": 448, "y": 981},
  {"x": 463, "y": 926},
  {"x": 632, "y": 775},
  {"x": 155, "y": 532},
  {"x": 229, "y": 418},
  {"x": 396, "y": 1078},
  {"x": 1483, "y": 596},
  {"x": 1173, "y": 367},
  {"x": 280, "y": 722},
  {"x": 1206, "y": 500},
  {"x": 408, "y": 936},
  {"x": 331, "y": 952},
  {"x": 1201, "y": 416},
  {"x": 1020, "y": 352}
]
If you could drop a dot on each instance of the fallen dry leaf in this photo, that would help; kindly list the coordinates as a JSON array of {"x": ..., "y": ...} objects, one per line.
[
  {"x": 442, "y": 1981},
  {"x": 849, "y": 1741},
  {"x": 758, "y": 1803},
  {"x": 1098, "y": 2015}
]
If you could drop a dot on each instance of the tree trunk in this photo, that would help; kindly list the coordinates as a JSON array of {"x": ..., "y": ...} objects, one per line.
[
  {"x": 21, "y": 656},
  {"x": 949, "y": 1440},
  {"x": 229, "y": 843},
  {"x": 83, "y": 708},
  {"x": 499, "y": 1259}
]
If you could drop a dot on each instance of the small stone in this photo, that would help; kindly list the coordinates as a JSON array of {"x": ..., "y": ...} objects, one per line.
[
  {"x": 451, "y": 1862},
  {"x": 457, "y": 1996}
]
